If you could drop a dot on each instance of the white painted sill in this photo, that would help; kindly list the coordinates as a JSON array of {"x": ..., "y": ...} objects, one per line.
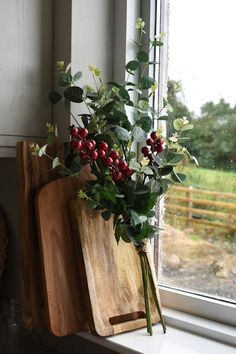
[{"x": 186, "y": 334}]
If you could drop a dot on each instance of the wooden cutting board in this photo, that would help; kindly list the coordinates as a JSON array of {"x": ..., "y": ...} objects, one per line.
[
  {"x": 113, "y": 275},
  {"x": 33, "y": 173},
  {"x": 66, "y": 308}
]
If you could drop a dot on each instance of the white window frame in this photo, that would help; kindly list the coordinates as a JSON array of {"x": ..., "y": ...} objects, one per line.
[{"x": 197, "y": 304}]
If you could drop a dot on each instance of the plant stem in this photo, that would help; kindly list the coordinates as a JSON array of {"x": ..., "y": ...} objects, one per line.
[
  {"x": 145, "y": 289},
  {"x": 154, "y": 294}
]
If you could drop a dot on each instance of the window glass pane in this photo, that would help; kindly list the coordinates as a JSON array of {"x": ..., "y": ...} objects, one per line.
[{"x": 199, "y": 243}]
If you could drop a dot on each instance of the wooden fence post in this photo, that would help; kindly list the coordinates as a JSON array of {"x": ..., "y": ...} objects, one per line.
[{"x": 190, "y": 205}]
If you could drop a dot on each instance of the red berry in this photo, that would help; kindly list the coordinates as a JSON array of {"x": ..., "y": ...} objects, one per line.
[
  {"x": 101, "y": 154},
  {"x": 154, "y": 135},
  {"x": 159, "y": 141},
  {"x": 76, "y": 144},
  {"x": 114, "y": 154},
  {"x": 116, "y": 162},
  {"x": 122, "y": 165},
  {"x": 74, "y": 131},
  {"x": 117, "y": 177},
  {"x": 145, "y": 150},
  {"x": 83, "y": 132},
  {"x": 158, "y": 148},
  {"x": 93, "y": 142},
  {"x": 128, "y": 172},
  {"x": 94, "y": 155},
  {"x": 89, "y": 145},
  {"x": 103, "y": 145},
  {"x": 149, "y": 141},
  {"x": 108, "y": 161}
]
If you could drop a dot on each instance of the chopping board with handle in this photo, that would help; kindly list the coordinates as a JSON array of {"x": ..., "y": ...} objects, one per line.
[
  {"x": 113, "y": 274},
  {"x": 66, "y": 307},
  {"x": 33, "y": 173}
]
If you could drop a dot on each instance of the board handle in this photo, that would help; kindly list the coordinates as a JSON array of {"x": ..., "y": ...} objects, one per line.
[{"x": 128, "y": 322}]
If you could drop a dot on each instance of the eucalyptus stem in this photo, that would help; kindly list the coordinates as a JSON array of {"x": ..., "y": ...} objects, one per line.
[
  {"x": 154, "y": 293},
  {"x": 145, "y": 290}
]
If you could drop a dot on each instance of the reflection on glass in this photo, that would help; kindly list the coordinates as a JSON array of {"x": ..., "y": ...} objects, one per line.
[{"x": 199, "y": 245}]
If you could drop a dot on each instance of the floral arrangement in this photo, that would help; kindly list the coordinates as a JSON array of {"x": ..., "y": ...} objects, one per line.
[{"x": 119, "y": 121}]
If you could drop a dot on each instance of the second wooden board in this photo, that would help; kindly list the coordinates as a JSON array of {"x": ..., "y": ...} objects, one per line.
[{"x": 113, "y": 275}]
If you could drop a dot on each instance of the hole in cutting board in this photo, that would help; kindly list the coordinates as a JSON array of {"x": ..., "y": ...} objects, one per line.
[{"x": 127, "y": 317}]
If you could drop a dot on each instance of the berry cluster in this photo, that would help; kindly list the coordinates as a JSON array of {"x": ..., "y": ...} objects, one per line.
[
  {"x": 80, "y": 144},
  {"x": 91, "y": 151},
  {"x": 154, "y": 145}
]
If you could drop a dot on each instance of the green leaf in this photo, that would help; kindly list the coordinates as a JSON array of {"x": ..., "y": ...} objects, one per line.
[
  {"x": 123, "y": 93},
  {"x": 157, "y": 43},
  {"x": 145, "y": 122},
  {"x": 122, "y": 134},
  {"x": 153, "y": 185},
  {"x": 132, "y": 65},
  {"x": 106, "y": 214},
  {"x": 146, "y": 82},
  {"x": 131, "y": 155},
  {"x": 134, "y": 165},
  {"x": 143, "y": 105},
  {"x": 164, "y": 171},
  {"x": 178, "y": 177},
  {"x": 142, "y": 56},
  {"x": 139, "y": 134},
  {"x": 147, "y": 231},
  {"x": 55, "y": 162},
  {"x": 54, "y": 97},
  {"x": 42, "y": 151},
  {"x": 137, "y": 218},
  {"x": 174, "y": 158},
  {"x": 77, "y": 76},
  {"x": 147, "y": 170},
  {"x": 74, "y": 94},
  {"x": 178, "y": 124},
  {"x": 64, "y": 79},
  {"x": 187, "y": 127}
]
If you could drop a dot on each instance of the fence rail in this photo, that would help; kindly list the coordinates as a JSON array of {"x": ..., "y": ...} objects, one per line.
[{"x": 203, "y": 207}]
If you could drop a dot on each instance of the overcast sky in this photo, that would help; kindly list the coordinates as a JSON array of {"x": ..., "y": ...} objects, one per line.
[{"x": 202, "y": 50}]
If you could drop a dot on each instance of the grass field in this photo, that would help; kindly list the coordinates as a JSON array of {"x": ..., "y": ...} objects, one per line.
[{"x": 214, "y": 180}]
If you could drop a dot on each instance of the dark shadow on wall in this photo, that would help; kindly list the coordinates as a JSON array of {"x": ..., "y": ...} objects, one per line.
[{"x": 10, "y": 284}]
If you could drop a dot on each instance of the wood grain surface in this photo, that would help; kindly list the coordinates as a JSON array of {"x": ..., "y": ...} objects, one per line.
[
  {"x": 113, "y": 275},
  {"x": 62, "y": 281},
  {"x": 33, "y": 173}
]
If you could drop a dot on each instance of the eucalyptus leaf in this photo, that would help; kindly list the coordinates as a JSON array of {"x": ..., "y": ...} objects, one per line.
[
  {"x": 123, "y": 93},
  {"x": 77, "y": 76},
  {"x": 145, "y": 123},
  {"x": 174, "y": 158},
  {"x": 178, "y": 177},
  {"x": 74, "y": 94},
  {"x": 143, "y": 105},
  {"x": 122, "y": 133},
  {"x": 134, "y": 165},
  {"x": 153, "y": 185},
  {"x": 187, "y": 127},
  {"x": 137, "y": 218},
  {"x": 139, "y": 134},
  {"x": 64, "y": 79},
  {"x": 55, "y": 162},
  {"x": 54, "y": 97},
  {"x": 143, "y": 56},
  {"x": 106, "y": 214},
  {"x": 146, "y": 82},
  {"x": 132, "y": 65},
  {"x": 42, "y": 151},
  {"x": 147, "y": 170}
]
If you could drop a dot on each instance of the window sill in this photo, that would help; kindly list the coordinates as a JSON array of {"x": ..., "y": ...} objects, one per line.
[{"x": 186, "y": 334}]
